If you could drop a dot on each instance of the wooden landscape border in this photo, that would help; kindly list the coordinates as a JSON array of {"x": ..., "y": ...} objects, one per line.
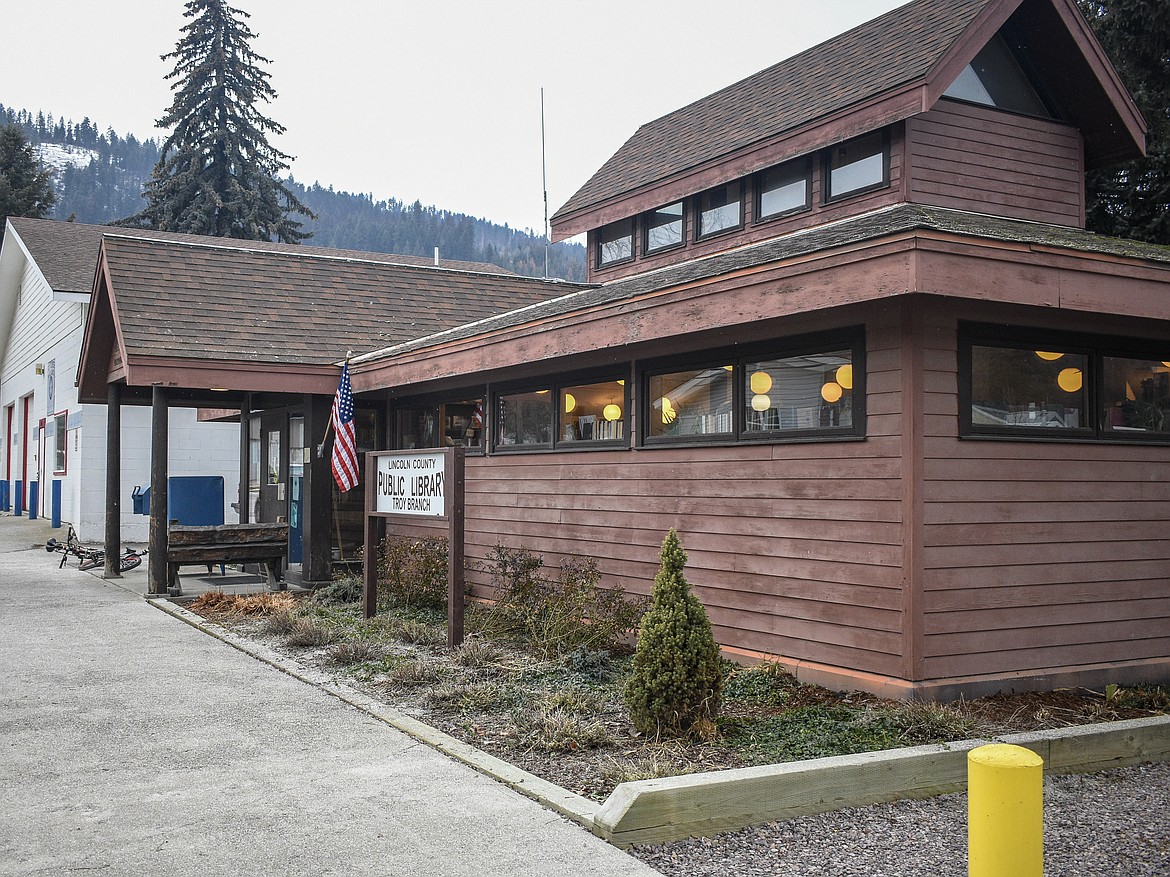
[{"x": 454, "y": 482}]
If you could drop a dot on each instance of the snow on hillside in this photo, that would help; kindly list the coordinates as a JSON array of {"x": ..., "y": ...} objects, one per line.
[{"x": 58, "y": 156}]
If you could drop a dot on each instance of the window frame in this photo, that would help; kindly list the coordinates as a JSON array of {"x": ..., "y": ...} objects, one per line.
[
  {"x": 601, "y": 241},
  {"x": 758, "y": 216},
  {"x": 851, "y": 338},
  {"x": 434, "y": 401},
  {"x": 1095, "y": 349},
  {"x": 827, "y": 197},
  {"x": 555, "y": 386},
  {"x": 61, "y": 442},
  {"x": 697, "y": 202},
  {"x": 647, "y": 250}
]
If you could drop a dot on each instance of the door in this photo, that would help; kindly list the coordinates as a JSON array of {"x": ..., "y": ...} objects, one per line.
[
  {"x": 296, "y": 480},
  {"x": 273, "y": 467}
]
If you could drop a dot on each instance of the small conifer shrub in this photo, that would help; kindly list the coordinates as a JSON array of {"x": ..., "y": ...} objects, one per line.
[{"x": 676, "y": 680}]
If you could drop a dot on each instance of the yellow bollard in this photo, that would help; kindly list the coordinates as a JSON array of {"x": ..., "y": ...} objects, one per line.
[{"x": 1005, "y": 812}]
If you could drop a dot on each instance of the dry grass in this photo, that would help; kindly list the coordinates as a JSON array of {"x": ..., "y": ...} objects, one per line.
[{"x": 243, "y": 606}]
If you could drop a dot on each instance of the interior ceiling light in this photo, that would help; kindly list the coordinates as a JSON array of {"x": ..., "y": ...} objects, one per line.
[{"x": 831, "y": 391}]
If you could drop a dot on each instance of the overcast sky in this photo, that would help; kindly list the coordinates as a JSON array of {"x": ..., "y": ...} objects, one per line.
[{"x": 432, "y": 100}]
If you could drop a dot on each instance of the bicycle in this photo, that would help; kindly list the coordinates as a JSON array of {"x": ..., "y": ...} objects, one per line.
[{"x": 90, "y": 558}]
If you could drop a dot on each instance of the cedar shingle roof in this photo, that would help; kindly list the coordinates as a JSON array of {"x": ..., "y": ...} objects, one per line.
[
  {"x": 290, "y": 305},
  {"x": 874, "y": 58},
  {"x": 66, "y": 252}
]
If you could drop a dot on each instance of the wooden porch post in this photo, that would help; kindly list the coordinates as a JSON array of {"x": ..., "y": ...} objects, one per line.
[
  {"x": 113, "y": 481},
  {"x": 159, "y": 426},
  {"x": 317, "y": 532},
  {"x": 245, "y": 457}
]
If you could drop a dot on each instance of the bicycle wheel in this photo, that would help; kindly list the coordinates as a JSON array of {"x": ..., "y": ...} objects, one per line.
[{"x": 129, "y": 561}]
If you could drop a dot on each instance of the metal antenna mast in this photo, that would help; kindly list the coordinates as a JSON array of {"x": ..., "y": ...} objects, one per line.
[{"x": 544, "y": 182}]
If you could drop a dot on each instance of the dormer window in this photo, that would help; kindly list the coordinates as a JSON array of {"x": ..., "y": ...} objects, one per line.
[
  {"x": 615, "y": 243},
  {"x": 783, "y": 189},
  {"x": 720, "y": 209},
  {"x": 996, "y": 79},
  {"x": 664, "y": 227},
  {"x": 857, "y": 166}
]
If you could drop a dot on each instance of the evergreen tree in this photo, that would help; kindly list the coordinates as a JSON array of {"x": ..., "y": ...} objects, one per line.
[
  {"x": 1133, "y": 199},
  {"x": 25, "y": 189},
  {"x": 217, "y": 173},
  {"x": 676, "y": 681}
]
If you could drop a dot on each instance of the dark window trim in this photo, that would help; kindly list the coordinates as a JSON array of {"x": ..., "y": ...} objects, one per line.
[
  {"x": 759, "y": 218},
  {"x": 851, "y": 338},
  {"x": 1094, "y": 347},
  {"x": 555, "y": 385},
  {"x": 827, "y": 163},
  {"x": 644, "y": 225},
  {"x": 434, "y": 400},
  {"x": 598, "y": 263},
  {"x": 697, "y": 206}
]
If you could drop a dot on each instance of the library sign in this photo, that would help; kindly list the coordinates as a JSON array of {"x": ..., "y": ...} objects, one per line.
[
  {"x": 401, "y": 488},
  {"x": 411, "y": 484}
]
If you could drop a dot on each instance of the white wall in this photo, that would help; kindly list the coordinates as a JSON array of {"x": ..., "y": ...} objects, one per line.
[
  {"x": 193, "y": 449},
  {"x": 44, "y": 331},
  {"x": 45, "y": 334}
]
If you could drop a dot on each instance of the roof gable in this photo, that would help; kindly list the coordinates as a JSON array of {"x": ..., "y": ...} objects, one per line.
[{"x": 883, "y": 71}]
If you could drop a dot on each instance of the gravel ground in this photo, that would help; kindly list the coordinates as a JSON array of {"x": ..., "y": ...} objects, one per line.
[{"x": 1111, "y": 823}]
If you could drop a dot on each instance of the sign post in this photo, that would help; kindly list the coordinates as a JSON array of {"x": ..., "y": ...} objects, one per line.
[{"x": 405, "y": 485}]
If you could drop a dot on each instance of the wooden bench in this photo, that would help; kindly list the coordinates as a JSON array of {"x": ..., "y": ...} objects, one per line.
[{"x": 227, "y": 543}]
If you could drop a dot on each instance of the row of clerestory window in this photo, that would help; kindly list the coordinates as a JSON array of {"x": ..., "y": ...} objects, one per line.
[{"x": 850, "y": 168}]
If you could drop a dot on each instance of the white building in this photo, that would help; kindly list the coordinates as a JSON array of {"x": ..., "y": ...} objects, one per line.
[{"x": 54, "y": 457}]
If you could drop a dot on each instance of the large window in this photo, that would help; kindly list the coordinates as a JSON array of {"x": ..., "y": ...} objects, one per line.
[
  {"x": 783, "y": 189},
  {"x": 1135, "y": 397},
  {"x": 524, "y": 419},
  {"x": 615, "y": 243},
  {"x": 664, "y": 227},
  {"x": 1037, "y": 384},
  {"x": 720, "y": 209},
  {"x": 691, "y": 402},
  {"x": 562, "y": 415},
  {"x": 1028, "y": 389},
  {"x": 799, "y": 388},
  {"x": 456, "y": 422},
  {"x": 857, "y": 166},
  {"x": 812, "y": 391},
  {"x": 592, "y": 412}
]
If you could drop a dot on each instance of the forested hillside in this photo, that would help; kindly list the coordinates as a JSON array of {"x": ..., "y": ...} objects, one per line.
[{"x": 99, "y": 177}]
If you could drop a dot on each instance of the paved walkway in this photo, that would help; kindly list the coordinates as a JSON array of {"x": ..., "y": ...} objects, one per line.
[{"x": 131, "y": 743}]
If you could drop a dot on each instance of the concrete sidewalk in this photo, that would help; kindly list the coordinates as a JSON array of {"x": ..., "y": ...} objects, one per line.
[{"x": 131, "y": 743}]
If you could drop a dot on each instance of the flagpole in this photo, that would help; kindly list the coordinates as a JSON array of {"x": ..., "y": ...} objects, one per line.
[{"x": 329, "y": 425}]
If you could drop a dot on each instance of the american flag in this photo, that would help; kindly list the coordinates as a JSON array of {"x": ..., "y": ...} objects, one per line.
[{"x": 345, "y": 460}]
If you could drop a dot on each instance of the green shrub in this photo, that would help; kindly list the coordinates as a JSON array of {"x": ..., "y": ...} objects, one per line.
[
  {"x": 413, "y": 572},
  {"x": 343, "y": 589},
  {"x": 562, "y": 615},
  {"x": 675, "y": 684}
]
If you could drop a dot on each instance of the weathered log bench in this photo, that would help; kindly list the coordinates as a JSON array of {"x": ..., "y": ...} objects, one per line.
[{"x": 227, "y": 543}]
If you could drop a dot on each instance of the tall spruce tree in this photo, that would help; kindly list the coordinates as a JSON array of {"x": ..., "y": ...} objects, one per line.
[
  {"x": 1133, "y": 199},
  {"x": 25, "y": 188},
  {"x": 218, "y": 174}
]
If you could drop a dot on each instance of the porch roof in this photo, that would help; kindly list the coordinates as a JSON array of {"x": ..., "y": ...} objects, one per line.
[{"x": 205, "y": 313}]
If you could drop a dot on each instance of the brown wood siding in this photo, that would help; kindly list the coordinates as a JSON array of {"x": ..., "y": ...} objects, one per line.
[
  {"x": 1037, "y": 555},
  {"x": 794, "y": 549},
  {"x": 979, "y": 159},
  {"x": 819, "y": 214}
]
